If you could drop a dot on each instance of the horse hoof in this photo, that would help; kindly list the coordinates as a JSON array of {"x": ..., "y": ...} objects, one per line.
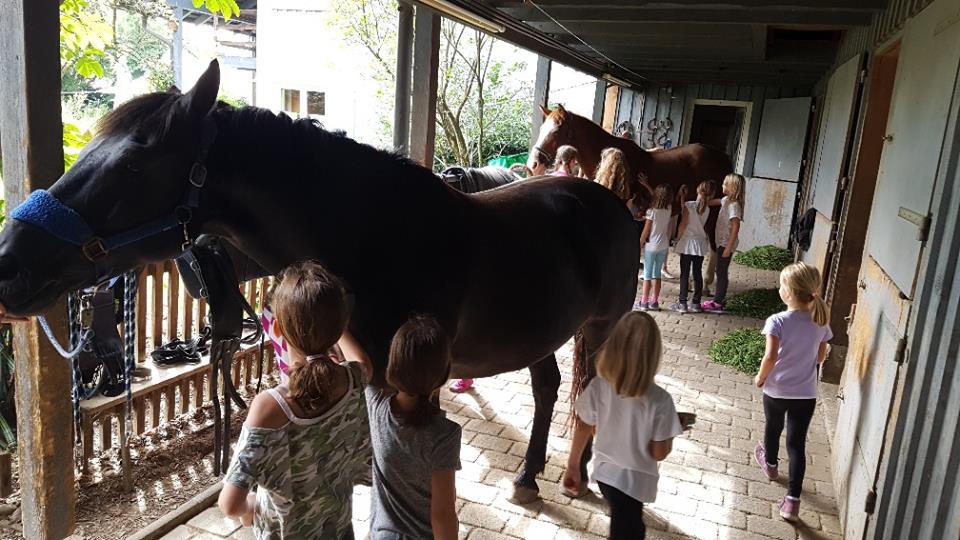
[{"x": 524, "y": 495}]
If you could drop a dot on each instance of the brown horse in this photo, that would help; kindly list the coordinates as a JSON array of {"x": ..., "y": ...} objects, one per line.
[
  {"x": 686, "y": 165},
  {"x": 510, "y": 273}
]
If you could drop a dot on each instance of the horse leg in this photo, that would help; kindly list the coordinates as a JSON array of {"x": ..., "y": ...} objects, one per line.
[
  {"x": 593, "y": 335},
  {"x": 711, "y": 270},
  {"x": 545, "y": 381}
]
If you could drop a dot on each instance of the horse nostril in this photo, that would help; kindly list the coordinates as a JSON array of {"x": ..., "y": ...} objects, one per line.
[{"x": 8, "y": 268}]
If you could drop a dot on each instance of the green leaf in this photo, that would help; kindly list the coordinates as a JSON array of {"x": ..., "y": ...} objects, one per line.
[{"x": 197, "y": 3}]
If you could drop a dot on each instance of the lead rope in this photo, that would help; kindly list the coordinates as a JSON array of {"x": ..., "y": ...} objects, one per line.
[
  {"x": 73, "y": 325},
  {"x": 130, "y": 284}
]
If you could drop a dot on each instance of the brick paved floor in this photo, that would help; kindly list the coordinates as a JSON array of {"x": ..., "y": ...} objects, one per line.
[{"x": 709, "y": 486}]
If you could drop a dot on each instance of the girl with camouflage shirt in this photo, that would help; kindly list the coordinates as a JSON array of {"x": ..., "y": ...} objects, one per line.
[{"x": 304, "y": 445}]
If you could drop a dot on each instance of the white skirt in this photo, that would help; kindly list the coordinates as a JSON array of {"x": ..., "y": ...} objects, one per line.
[{"x": 698, "y": 247}]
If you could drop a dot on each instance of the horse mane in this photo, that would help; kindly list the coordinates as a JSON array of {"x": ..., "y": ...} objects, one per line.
[
  {"x": 149, "y": 113},
  {"x": 153, "y": 113}
]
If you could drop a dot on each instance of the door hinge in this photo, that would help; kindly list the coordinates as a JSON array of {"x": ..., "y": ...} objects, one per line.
[
  {"x": 843, "y": 182},
  {"x": 863, "y": 75},
  {"x": 924, "y": 229},
  {"x": 901, "y": 351},
  {"x": 870, "y": 502}
]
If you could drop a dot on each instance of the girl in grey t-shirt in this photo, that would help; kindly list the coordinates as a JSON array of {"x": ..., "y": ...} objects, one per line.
[{"x": 416, "y": 449}]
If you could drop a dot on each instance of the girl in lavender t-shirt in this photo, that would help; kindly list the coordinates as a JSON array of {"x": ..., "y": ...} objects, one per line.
[{"x": 796, "y": 346}]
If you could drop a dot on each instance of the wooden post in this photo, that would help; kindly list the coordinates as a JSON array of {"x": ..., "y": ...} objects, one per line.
[
  {"x": 541, "y": 93},
  {"x": 599, "y": 93},
  {"x": 426, "y": 64},
  {"x": 31, "y": 129},
  {"x": 401, "y": 105}
]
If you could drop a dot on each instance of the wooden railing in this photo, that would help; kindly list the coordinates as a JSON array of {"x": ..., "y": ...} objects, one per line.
[{"x": 164, "y": 312}]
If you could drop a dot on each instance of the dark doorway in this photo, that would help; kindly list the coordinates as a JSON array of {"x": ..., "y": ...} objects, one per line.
[
  {"x": 718, "y": 126},
  {"x": 857, "y": 197}
]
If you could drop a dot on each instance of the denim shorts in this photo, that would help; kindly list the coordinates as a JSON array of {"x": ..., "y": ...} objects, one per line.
[{"x": 653, "y": 264}]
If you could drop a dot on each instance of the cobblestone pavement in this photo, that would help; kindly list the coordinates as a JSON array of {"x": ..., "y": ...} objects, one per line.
[{"x": 709, "y": 486}]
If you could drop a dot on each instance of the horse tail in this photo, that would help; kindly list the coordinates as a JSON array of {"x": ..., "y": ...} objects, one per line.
[{"x": 583, "y": 370}]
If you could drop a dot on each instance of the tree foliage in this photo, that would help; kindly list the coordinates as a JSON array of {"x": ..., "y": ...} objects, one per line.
[{"x": 482, "y": 99}]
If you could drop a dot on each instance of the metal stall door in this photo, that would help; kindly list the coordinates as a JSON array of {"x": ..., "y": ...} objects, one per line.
[
  {"x": 925, "y": 78},
  {"x": 836, "y": 122},
  {"x": 772, "y": 190}
]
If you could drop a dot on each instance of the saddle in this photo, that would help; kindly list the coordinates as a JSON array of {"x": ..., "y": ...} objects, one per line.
[{"x": 475, "y": 180}]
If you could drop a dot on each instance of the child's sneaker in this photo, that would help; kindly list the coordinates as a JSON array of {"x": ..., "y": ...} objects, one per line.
[
  {"x": 760, "y": 455},
  {"x": 695, "y": 308},
  {"x": 461, "y": 385},
  {"x": 680, "y": 307},
  {"x": 640, "y": 306},
  {"x": 790, "y": 508},
  {"x": 653, "y": 306},
  {"x": 712, "y": 307}
]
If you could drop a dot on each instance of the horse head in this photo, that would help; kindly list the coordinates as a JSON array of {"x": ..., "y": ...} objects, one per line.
[
  {"x": 131, "y": 198},
  {"x": 554, "y": 132}
]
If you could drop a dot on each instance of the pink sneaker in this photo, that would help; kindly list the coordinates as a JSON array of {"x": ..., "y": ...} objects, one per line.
[
  {"x": 760, "y": 455},
  {"x": 790, "y": 508},
  {"x": 712, "y": 307},
  {"x": 461, "y": 385}
]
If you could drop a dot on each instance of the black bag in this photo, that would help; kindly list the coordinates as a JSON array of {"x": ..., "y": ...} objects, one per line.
[{"x": 803, "y": 231}]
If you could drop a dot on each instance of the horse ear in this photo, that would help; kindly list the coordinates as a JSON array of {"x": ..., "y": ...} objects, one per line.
[
  {"x": 545, "y": 110},
  {"x": 173, "y": 89},
  {"x": 203, "y": 97},
  {"x": 561, "y": 111}
]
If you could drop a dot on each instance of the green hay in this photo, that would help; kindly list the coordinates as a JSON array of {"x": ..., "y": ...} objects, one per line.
[
  {"x": 756, "y": 303},
  {"x": 741, "y": 349},
  {"x": 764, "y": 258}
]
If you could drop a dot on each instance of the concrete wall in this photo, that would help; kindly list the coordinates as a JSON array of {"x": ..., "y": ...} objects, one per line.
[{"x": 768, "y": 215}]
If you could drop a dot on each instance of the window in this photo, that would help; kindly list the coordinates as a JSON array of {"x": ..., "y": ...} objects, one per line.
[
  {"x": 316, "y": 103},
  {"x": 291, "y": 101}
]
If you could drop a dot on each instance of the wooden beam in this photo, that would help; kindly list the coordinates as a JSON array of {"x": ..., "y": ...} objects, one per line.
[
  {"x": 874, "y": 5},
  {"x": 646, "y": 14},
  {"x": 426, "y": 62},
  {"x": 33, "y": 158},
  {"x": 758, "y": 34},
  {"x": 401, "y": 106},
  {"x": 541, "y": 95},
  {"x": 599, "y": 93}
]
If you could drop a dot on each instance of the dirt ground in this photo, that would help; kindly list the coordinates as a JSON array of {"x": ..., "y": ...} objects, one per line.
[{"x": 170, "y": 466}]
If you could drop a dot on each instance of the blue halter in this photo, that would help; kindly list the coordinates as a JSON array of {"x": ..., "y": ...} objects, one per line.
[{"x": 43, "y": 210}]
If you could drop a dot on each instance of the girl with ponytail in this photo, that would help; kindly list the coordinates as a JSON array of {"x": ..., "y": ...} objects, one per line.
[
  {"x": 796, "y": 346},
  {"x": 305, "y": 443},
  {"x": 416, "y": 448}
]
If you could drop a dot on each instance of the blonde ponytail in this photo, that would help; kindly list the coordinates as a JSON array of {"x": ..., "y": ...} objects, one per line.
[
  {"x": 802, "y": 281},
  {"x": 705, "y": 191},
  {"x": 820, "y": 311}
]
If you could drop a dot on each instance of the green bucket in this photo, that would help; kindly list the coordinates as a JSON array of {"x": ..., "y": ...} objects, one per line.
[{"x": 507, "y": 161}]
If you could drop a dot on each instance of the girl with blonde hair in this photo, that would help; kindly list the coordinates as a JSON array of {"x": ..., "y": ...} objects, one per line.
[
  {"x": 655, "y": 239},
  {"x": 796, "y": 345},
  {"x": 729, "y": 221},
  {"x": 635, "y": 422},
  {"x": 693, "y": 245},
  {"x": 613, "y": 173}
]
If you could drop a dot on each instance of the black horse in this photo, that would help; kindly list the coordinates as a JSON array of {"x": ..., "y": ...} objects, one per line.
[{"x": 511, "y": 273}]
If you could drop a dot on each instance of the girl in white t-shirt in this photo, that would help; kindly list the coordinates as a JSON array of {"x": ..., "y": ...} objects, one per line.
[
  {"x": 693, "y": 245},
  {"x": 635, "y": 423},
  {"x": 727, "y": 235},
  {"x": 656, "y": 242}
]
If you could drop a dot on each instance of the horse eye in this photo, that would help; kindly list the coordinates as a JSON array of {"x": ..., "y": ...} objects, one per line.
[{"x": 134, "y": 168}]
